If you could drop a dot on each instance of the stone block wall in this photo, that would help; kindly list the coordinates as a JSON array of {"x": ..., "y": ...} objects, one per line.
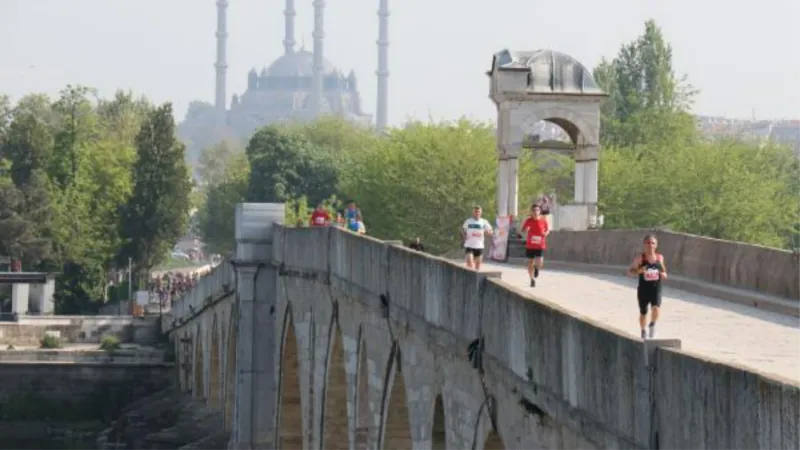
[
  {"x": 71, "y": 392},
  {"x": 734, "y": 264},
  {"x": 29, "y": 330}
]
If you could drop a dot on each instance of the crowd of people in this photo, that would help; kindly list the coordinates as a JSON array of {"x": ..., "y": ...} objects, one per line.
[{"x": 172, "y": 285}]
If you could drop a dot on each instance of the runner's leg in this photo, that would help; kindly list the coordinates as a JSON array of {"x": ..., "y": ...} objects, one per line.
[
  {"x": 643, "y": 306},
  {"x": 478, "y": 259},
  {"x": 655, "y": 311},
  {"x": 469, "y": 258}
]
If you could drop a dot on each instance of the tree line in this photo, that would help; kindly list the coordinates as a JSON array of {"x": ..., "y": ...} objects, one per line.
[
  {"x": 656, "y": 169},
  {"x": 87, "y": 183}
]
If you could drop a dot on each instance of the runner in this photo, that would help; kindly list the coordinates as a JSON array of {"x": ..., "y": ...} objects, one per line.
[
  {"x": 473, "y": 231},
  {"x": 536, "y": 229},
  {"x": 320, "y": 217},
  {"x": 649, "y": 267},
  {"x": 352, "y": 215}
]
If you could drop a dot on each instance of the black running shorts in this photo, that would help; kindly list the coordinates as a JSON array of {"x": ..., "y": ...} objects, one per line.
[
  {"x": 476, "y": 252},
  {"x": 648, "y": 299},
  {"x": 532, "y": 253}
]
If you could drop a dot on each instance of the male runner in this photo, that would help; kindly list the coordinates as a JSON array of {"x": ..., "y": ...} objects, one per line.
[
  {"x": 320, "y": 217},
  {"x": 473, "y": 231},
  {"x": 649, "y": 267},
  {"x": 536, "y": 229}
]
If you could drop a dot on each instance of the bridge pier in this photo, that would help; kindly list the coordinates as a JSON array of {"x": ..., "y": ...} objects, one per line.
[{"x": 256, "y": 379}]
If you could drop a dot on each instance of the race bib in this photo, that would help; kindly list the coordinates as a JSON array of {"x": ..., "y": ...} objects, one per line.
[
  {"x": 476, "y": 234},
  {"x": 651, "y": 275},
  {"x": 536, "y": 239}
]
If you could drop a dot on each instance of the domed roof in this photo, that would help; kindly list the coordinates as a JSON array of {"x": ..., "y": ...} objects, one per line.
[
  {"x": 551, "y": 72},
  {"x": 297, "y": 64}
]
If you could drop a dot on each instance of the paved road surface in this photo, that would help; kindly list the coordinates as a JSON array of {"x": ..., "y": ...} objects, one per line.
[{"x": 765, "y": 341}]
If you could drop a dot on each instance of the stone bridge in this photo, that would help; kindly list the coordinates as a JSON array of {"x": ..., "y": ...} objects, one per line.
[{"x": 320, "y": 338}]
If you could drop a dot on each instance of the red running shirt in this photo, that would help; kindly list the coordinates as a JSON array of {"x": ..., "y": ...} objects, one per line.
[
  {"x": 535, "y": 229},
  {"x": 320, "y": 219}
]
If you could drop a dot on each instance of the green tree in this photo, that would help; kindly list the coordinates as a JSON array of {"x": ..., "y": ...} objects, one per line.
[
  {"x": 216, "y": 215},
  {"x": 284, "y": 165},
  {"x": 644, "y": 94},
  {"x": 156, "y": 214}
]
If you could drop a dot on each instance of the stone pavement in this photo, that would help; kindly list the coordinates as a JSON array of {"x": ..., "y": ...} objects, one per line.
[{"x": 728, "y": 332}]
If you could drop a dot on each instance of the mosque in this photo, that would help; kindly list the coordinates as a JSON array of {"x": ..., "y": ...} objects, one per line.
[{"x": 298, "y": 86}]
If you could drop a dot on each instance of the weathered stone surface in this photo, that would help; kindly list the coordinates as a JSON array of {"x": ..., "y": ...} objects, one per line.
[{"x": 512, "y": 370}]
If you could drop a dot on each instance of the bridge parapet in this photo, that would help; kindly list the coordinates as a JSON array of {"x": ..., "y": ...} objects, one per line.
[
  {"x": 215, "y": 285},
  {"x": 734, "y": 264}
]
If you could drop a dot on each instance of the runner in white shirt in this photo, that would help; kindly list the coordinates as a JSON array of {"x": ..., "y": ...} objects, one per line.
[{"x": 473, "y": 231}]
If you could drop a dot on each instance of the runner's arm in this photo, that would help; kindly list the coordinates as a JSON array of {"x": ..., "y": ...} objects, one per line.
[
  {"x": 464, "y": 230},
  {"x": 635, "y": 268},
  {"x": 663, "y": 267},
  {"x": 488, "y": 227}
]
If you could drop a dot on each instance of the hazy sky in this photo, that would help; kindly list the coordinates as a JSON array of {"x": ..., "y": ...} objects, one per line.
[{"x": 743, "y": 56}]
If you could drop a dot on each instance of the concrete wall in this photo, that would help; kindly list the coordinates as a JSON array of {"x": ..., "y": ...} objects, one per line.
[
  {"x": 735, "y": 264},
  {"x": 544, "y": 377},
  {"x": 29, "y": 330},
  {"x": 70, "y": 391}
]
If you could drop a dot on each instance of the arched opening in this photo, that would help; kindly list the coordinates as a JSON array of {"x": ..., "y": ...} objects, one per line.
[
  {"x": 335, "y": 430},
  {"x": 363, "y": 416},
  {"x": 493, "y": 442},
  {"x": 214, "y": 385},
  {"x": 199, "y": 383},
  {"x": 397, "y": 431},
  {"x": 290, "y": 420},
  {"x": 438, "y": 433},
  {"x": 549, "y": 146},
  {"x": 230, "y": 372}
]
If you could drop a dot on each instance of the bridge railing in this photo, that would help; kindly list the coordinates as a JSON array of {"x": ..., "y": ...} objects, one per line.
[
  {"x": 219, "y": 282},
  {"x": 735, "y": 264}
]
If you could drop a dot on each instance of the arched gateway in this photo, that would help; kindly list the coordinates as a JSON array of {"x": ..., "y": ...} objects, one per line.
[{"x": 531, "y": 86}]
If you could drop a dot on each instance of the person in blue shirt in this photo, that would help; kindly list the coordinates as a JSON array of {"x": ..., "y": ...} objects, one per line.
[{"x": 352, "y": 216}]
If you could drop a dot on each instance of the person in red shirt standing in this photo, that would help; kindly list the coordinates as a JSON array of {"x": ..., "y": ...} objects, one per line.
[
  {"x": 320, "y": 217},
  {"x": 536, "y": 230}
]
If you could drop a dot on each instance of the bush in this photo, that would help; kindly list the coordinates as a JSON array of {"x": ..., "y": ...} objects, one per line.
[
  {"x": 50, "y": 341},
  {"x": 110, "y": 343}
]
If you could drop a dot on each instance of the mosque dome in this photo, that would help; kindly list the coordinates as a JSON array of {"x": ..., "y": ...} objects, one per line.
[{"x": 298, "y": 64}]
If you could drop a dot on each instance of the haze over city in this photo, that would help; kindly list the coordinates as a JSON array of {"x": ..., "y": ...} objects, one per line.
[{"x": 744, "y": 57}]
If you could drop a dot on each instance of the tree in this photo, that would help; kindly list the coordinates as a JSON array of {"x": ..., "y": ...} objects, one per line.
[
  {"x": 285, "y": 165},
  {"x": 156, "y": 214},
  {"x": 644, "y": 93},
  {"x": 214, "y": 161},
  {"x": 216, "y": 215}
]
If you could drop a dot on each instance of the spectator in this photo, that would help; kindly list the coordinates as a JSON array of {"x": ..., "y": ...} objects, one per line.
[
  {"x": 544, "y": 204},
  {"x": 352, "y": 216},
  {"x": 416, "y": 244},
  {"x": 320, "y": 217}
]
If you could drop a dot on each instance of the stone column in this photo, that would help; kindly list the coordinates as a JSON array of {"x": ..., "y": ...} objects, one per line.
[
  {"x": 256, "y": 398},
  {"x": 587, "y": 159},
  {"x": 19, "y": 298},
  {"x": 502, "y": 187},
  {"x": 48, "y": 290},
  {"x": 513, "y": 187},
  {"x": 580, "y": 180}
]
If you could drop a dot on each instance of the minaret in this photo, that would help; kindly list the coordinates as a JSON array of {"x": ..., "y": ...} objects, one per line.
[
  {"x": 318, "y": 35},
  {"x": 288, "y": 40},
  {"x": 382, "y": 113},
  {"x": 221, "y": 64}
]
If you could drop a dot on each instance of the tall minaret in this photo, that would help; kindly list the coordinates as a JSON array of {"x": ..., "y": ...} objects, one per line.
[
  {"x": 382, "y": 113},
  {"x": 318, "y": 35},
  {"x": 221, "y": 64},
  {"x": 288, "y": 40}
]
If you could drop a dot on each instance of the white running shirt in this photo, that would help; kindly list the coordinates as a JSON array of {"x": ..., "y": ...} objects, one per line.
[{"x": 474, "y": 231}]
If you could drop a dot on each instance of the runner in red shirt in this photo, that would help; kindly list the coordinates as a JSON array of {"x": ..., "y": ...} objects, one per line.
[
  {"x": 320, "y": 217},
  {"x": 536, "y": 229}
]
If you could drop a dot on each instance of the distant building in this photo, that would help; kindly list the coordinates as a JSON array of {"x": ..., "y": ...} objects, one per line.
[{"x": 298, "y": 86}]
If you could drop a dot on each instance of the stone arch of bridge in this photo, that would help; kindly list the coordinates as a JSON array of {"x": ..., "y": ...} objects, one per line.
[
  {"x": 230, "y": 369},
  {"x": 335, "y": 419},
  {"x": 396, "y": 431},
  {"x": 290, "y": 410},
  {"x": 198, "y": 389},
  {"x": 363, "y": 414},
  {"x": 438, "y": 427},
  {"x": 214, "y": 383}
]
